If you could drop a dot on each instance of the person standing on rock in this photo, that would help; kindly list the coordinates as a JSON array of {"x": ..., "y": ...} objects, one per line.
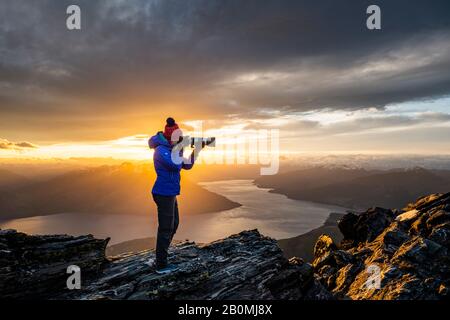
[{"x": 168, "y": 161}]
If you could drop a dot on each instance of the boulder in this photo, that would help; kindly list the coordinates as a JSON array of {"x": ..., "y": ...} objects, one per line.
[{"x": 365, "y": 226}]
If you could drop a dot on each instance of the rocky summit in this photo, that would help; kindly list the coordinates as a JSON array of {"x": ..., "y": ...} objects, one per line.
[
  {"x": 243, "y": 266},
  {"x": 384, "y": 254}
]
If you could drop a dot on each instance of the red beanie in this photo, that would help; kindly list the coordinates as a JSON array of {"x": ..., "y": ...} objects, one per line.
[{"x": 170, "y": 127}]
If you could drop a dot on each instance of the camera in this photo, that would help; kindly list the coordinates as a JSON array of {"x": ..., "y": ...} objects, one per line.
[{"x": 210, "y": 142}]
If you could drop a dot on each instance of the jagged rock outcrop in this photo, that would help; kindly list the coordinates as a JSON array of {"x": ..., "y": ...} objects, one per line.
[
  {"x": 385, "y": 254},
  {"x": 243, "y": 266},
  {"x": 35, "y": 266},
  {"x": 389, "y": 254}
]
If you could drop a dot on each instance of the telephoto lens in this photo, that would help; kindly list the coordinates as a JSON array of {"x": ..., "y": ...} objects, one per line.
[{"x": 210, "y": 142}]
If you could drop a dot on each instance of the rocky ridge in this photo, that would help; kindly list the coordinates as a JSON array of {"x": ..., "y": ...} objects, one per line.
[
  {"x": 243, "y": 266},
  {"x": 35, "y": 266},
  {"x": 390, "y": 254},
  {"x": 385, "y": 254}
]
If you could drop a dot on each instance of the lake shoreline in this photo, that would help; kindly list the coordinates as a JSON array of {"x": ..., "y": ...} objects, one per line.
[{"x": 273, "y": 215}]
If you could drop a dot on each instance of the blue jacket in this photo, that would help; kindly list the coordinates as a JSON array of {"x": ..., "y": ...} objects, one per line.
[{"x": 168, "y": 173}]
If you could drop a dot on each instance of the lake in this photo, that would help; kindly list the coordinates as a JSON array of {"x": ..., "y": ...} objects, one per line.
[{"x": 274, "y": 215}]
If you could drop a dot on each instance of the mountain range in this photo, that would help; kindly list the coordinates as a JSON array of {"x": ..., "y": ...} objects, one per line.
[
  {"x": 358, "y": 188},
  {"x": 11, "y": 180},
  {"x": 121, "y": 189}
]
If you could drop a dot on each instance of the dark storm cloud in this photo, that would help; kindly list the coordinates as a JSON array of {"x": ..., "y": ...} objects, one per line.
[{"x": 223, "y": 57}]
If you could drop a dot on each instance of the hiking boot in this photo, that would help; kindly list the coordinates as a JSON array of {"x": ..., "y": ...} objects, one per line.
[{"x": 168, "y": 269}]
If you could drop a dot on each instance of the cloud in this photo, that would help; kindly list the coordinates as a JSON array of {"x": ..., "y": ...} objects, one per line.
[
  {"x": 333, "y": 124},
  {"x": 134, "y": 61},
  {"x": 5, "y": 144}
]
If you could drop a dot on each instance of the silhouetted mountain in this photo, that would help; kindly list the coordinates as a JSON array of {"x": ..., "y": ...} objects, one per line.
[
  {"x": 124, "y": 189},
  {"x": 10, "y": 180},
  {"x": 298, "y": 181},
  {"x": 354, "y": 188}
]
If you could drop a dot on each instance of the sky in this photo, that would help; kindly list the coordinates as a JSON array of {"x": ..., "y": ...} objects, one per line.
[{"x": 310, "y": 69}]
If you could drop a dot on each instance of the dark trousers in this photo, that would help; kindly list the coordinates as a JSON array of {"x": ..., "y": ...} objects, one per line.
[{"x": 168, "y": 220}]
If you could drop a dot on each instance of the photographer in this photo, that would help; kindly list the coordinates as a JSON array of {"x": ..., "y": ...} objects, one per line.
[{"x": 167, "y": 187}]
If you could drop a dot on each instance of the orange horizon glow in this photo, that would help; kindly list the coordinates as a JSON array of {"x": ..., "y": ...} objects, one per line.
[{"x": 324, "y": 132}]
